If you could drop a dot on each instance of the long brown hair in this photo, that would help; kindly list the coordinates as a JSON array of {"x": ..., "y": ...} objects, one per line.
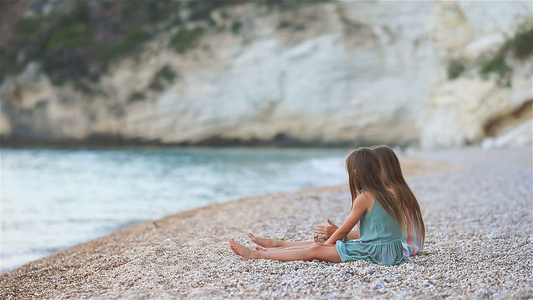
[
  {"x": 367, "y": 176},
  {"x": 394, "y": 178}
]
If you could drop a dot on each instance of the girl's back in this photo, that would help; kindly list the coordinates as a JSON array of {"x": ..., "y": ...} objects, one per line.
[
  {"x": 414, "y": 233},
  {"x": 378, "y": 226}
]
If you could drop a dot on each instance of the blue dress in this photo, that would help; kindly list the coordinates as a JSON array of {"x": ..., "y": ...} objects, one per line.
[{"x": 380, "y": 239}]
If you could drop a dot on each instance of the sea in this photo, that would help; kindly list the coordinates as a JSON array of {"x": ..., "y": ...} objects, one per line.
[{"x": 51, "y": 198}]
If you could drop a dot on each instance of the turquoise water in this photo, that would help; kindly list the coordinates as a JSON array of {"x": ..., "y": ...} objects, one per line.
[{"x": 55, "y": 198}]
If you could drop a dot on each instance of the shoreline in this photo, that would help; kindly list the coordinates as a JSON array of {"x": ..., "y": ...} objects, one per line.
[
  {"x": 109, "y": 141},
  {"x": 186, "y": 254}
]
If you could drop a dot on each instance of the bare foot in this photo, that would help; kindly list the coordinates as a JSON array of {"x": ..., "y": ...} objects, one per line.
[
  {"x": 244, "y": 252},
  {"x": 267, "y": 243},
  {"x": 260, "y": 248},
  {"x": 231, "y": 243}
]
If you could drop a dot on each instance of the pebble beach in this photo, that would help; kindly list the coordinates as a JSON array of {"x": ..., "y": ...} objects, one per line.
[{"x": 477, "y": 206}]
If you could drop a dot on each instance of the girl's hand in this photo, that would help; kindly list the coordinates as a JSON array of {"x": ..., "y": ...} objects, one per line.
[
  {"x": 320, "y": 239},
  {"x": 326, "y": 231}
]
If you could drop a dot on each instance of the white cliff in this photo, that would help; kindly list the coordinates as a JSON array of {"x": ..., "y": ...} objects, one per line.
[
  {"x": 331, "y": 72},
  {"x": 322, "y": 84},
  {"x": 460, "y": 110}
]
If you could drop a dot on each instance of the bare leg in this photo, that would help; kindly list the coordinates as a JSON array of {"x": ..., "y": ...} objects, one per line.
[
  {"x": 324, "y": 252},
  {"x": 270, "y": 243},
  {"x": 304, "y": 246}
]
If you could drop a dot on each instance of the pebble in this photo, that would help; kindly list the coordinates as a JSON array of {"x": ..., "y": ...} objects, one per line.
[{"x": 476, "y": 206}]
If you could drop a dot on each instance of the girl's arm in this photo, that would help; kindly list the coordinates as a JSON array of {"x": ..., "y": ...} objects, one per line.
[
  {"x": 353, "y": 235},
  {"x": 360, "y": 205},
  {"x": 327, "y": 231}
]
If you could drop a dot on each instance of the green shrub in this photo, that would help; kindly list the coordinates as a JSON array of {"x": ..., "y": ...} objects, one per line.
[
  {"x": 41, "y": 105},
  {"x": 137, "y": 96},
  {"x": 299, "y": 27},
  {"x": 128, "y": 44},
  {"x": 284, "y": 5},
  {"x": 220, "y": 28},
  {"x": 129, "y": 8},
  {"x": 156, "y": 85},
  {"x": 185, "y": 39},
  {"x": 28, "y": 28},
  {"x": 64, "y": 42},
  {"x": 8, "y": 65},
  {"x": 201, "y": 10},
  {"x": 106, "y": 4},
  {"x": 80, "y": 85},
  {"x": 63, "y": 54},
  {"x": 284, "y": 24},
  {"x": 236, "y": 27},
  {"x": 153, "y": 10},
  {"x": 498, "y": 66},
  {"x": 522, "y": 43},
  {"x": 292, "y": 5},
  {"x": 134, "y": 37},
  {"x": 70, "y": 38},
  {"x": 224, "y": 15},
  {"x": 81, "y": 12},
  {"x": 166, "y": 73},
  {"x": 455, "y": 68},
  {"x": 157, "y": 10},
  {"x": 58, "y": 40},
  {"x": 29, "y": 40}
]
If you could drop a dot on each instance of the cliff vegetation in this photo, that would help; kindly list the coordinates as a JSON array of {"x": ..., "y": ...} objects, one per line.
[{"x": 77, "y": 40}]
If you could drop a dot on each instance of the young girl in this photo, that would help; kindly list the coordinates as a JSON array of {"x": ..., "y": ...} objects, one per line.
[
  {"x": 380, "y": 216},
  {"x": 414, "y": 233}
]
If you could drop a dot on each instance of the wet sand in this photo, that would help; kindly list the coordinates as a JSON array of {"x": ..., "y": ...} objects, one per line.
[{"x": 477, "y": 206}]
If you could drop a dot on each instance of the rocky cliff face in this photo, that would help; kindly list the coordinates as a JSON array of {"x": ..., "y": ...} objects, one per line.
[
  {"x": 468, "y": 109},
  {"x": 326, "y": 73}
]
